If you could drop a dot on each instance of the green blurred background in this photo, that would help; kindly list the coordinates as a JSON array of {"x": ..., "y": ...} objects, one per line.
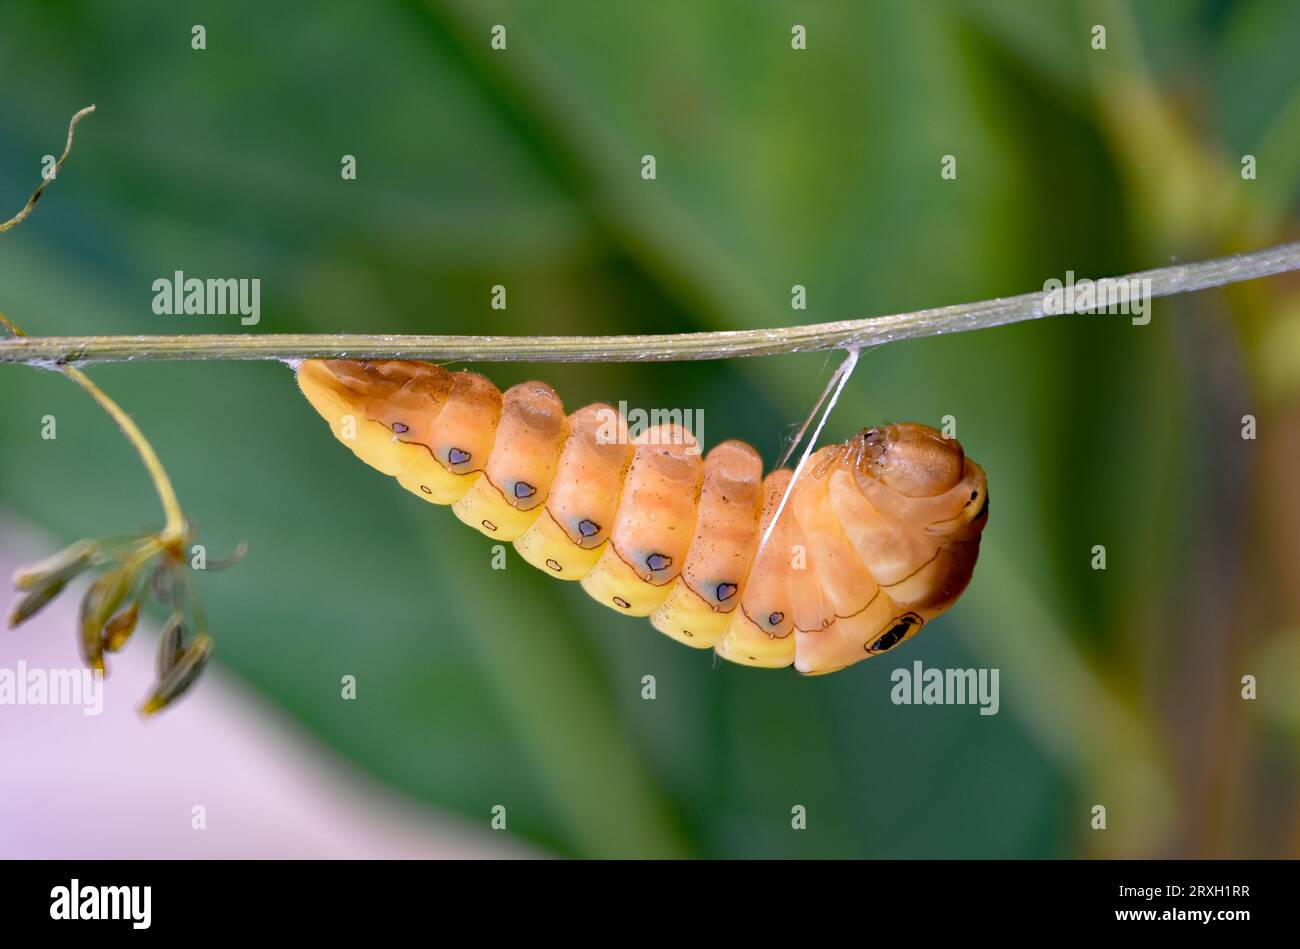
[{"x": 775, "y": 167}]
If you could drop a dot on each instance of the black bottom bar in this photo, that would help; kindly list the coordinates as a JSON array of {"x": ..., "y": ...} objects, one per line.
[{"x": 237, "y": 897}]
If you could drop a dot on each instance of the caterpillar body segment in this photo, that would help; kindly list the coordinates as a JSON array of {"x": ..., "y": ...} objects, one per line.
[
  {"x": 520, "y": 466},
  {"x": 879, "y": 534},
  {"x": 759, "y": 633},
  {"x": 698, "y": 609},
  {"x": 653, "y": 524},
  {"x": 571, "y": 536}
]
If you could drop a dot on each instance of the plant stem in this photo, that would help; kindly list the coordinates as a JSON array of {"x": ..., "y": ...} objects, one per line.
[
  {"x": 175, "y": 528},
  {"x": 36, "y": 195},
  {"x": 57, "y": 351}
]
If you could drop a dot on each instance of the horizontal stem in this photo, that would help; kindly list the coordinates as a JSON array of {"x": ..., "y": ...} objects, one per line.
[{"x": 844, "y": 334}]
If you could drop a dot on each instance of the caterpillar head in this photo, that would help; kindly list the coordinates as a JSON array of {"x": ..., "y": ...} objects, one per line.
[
  {"x": 920, "y": 463},
  {"x": 914, "y": 460}
]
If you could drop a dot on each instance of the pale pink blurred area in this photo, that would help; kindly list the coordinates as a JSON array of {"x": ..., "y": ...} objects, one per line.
[{"x": 114, "y": 785}]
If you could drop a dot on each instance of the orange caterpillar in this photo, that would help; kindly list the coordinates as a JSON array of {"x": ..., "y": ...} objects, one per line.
[{"x": 879, "y": 535}]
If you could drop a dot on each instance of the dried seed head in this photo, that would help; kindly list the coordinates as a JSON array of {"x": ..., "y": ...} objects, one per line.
[
  {"x": 45, "y": 580},
  {"x": 171, "y": 646},
  {"x": 66, "y": 564},
  {"x": 136, "y": 567},
  {"x": 181, "y": 676},
  {"x": 119, "y": 629},
  {"x": 35, "y": 600},
  {"x": 102, "y": 599}
]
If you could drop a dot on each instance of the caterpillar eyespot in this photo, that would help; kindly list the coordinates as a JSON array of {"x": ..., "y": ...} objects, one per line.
[
  {"x": 902, "y": 628},
  {"x": 888, "y": 522}
]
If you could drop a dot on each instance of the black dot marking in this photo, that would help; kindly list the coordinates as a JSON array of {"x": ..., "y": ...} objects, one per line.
[
  {"x": 400, "y": 428},
  {"x": 588, "y": 528},
  {"x": 489, "y": 525},
  {"x": 774, "y": 619},
  {"x": 891, "y": 638},
  {"x": 895, "y": 634},
  {"x": 658, "y": 562},
  {"x": 726, "y": 591},
  {"x": 689, "y": 634},
  {"x": 457, "y": 456},
  {"x": 554, "y": 565},
  {"x": 974, "y": 495},
  {"x": 426, "y": 489},
  {"x": 620, "y": 602},
  {"x": 524, "y": 490}
]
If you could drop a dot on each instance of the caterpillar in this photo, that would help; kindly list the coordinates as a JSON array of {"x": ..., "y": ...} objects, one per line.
[{"x": 878, "y": 536}]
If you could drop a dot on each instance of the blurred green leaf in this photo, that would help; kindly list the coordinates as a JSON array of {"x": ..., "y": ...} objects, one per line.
[{"x": 478, "y": 687}]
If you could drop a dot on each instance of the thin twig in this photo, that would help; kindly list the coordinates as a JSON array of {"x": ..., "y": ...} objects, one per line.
[
  {"x": 54, "y": 351},
  {"x": 36, "y": 195},
  {"x": 175, "y": 528}
]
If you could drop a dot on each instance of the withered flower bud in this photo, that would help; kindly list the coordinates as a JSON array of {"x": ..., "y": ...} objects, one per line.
[
  {"x": 171, "y": 646},
  {"x": 119, "y": 629},
  {"x": 181, "y": 676}
]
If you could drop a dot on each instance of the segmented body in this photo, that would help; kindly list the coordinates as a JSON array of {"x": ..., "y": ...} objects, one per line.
[{"x": 879, "y": 535}]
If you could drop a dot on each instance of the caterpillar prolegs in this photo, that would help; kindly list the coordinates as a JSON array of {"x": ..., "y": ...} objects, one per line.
[{"x": 879, "y": 535}]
